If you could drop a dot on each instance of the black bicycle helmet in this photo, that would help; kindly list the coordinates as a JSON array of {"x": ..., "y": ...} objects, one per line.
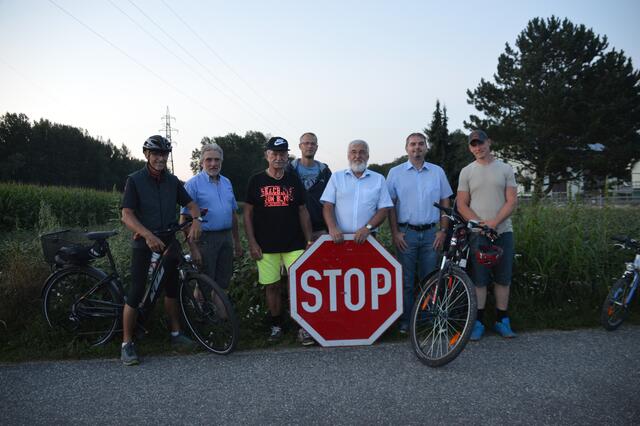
[
  {"x": 157, "y": 143},
  {"x": 488, "y": 255}
]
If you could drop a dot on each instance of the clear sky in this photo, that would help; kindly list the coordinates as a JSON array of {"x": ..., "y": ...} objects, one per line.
[{"x": 345, "y": 69}]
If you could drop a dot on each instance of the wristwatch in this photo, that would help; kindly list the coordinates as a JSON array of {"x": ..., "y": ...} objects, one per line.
[{"x": 369, "y": 226}]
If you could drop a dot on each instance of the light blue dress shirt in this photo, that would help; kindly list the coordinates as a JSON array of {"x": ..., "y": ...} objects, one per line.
[
  {"x": 356, "y": 200},
  {"x": 415, "y": 190},
  {"x": 217, "y": 196}
]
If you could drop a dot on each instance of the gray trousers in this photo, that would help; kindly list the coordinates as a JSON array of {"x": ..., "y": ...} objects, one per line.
[{"x": 216, "y": 248}]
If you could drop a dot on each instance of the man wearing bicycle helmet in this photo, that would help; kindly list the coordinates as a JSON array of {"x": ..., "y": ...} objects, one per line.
[
  {"x": 416, "y": 226},
  {"x": 148, "y": 205},
  {"x": 487, "y": 193}
]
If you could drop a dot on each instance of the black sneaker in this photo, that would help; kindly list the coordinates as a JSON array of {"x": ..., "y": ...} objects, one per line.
[
  {"x": 305, "y": 338},
  {"x": 276, "y": 334},
  {"x": 128, "y": 355}
]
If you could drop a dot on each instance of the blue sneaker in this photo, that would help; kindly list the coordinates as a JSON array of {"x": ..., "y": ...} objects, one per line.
[
  {"x": 503, "y": 328},
  {"x": 477, "y": 332}
]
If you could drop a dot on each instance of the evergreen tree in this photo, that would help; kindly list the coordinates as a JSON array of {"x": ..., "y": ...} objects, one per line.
[{"x": 562, "y": 105}]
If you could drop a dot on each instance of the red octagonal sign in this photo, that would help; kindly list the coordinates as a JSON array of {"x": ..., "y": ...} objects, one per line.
[{"x": 345, "y": 294}]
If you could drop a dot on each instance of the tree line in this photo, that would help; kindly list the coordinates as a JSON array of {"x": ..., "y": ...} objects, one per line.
[{"x": 47, "y": 153}]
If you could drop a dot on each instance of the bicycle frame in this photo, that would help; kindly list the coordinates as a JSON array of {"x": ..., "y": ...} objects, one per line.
[{"x": 459, "y": 249}]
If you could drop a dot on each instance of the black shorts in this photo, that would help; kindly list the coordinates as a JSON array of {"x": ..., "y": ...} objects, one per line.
[{"x": 140, "y": 260}]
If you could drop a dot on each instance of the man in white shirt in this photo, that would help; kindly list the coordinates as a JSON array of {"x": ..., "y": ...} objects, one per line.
[{"x": 356, "y": 199}]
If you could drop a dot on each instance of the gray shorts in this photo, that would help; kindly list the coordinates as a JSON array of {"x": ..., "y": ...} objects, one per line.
[
  {"x": 499, "y": 274},
  {"x": 216, "y": 248}
]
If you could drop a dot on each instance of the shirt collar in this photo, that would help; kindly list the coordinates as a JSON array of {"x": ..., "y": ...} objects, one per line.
[
  {"x": 208, "y": 178},
  {"x": 350, "y": 172},
  {"x": 409, "y": 166}
]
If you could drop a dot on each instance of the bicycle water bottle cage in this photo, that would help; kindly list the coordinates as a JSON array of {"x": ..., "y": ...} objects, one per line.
[{"x": 489, "y": 255}]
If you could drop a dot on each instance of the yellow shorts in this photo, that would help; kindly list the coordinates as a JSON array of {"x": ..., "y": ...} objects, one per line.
[{"x": 269, "y": 265}]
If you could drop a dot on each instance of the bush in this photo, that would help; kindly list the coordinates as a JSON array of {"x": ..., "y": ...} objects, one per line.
[{"x": 565, "y": 262}]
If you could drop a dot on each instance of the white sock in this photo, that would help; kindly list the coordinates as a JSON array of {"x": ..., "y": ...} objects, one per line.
[{"x": 175, "y": 333}]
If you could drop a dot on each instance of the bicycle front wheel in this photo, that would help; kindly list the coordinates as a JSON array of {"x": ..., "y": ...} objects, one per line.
[
  {"x": 209, "y": 314},
  {"x": 442, "y": 319},
  {"x": 80, "y": 302},
  {"x": 614, "y": 311}
]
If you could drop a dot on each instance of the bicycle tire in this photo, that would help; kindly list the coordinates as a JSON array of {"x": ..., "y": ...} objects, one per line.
[
  {"x": 209, "y": 314},
  {"x": 440, "y": 329},
  {"x": 78, "y": 301},
  {"x": 613, "y": 311}
]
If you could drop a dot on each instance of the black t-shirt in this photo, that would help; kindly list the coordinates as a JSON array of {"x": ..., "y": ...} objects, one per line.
[{"x": 276, "y": 220}]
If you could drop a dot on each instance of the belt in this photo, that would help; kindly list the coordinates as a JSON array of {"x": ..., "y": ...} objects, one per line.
[{"x": 418, "y": 227}]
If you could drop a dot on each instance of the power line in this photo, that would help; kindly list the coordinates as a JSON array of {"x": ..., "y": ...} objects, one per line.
[
  {"x": 246, "y": 105},
  {"x": 140, "y": 64},
  {"x": 41, "y": 90},
  {"x": 226, "y": 64}
]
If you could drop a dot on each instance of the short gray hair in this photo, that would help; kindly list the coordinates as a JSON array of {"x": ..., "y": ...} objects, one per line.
[
  {"x": 211, "y": 147},
  {"x": 358, "y": 142}
]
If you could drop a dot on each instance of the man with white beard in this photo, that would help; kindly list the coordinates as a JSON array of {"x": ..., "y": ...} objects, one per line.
[{"x": 356, "y": 200}]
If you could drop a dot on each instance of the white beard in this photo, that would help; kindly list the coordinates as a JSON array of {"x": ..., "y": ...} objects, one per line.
[{"x": 358, "y": 167}]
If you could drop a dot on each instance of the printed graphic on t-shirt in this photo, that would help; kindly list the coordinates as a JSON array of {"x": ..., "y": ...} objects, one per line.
[{"x": 276, "y": 196}]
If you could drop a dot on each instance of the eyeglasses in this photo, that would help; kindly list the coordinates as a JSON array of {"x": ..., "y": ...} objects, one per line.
[{"x": 476, "y": 142}]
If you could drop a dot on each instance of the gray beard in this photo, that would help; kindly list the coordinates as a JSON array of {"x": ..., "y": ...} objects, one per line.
[{"x": 358, "y": 167}]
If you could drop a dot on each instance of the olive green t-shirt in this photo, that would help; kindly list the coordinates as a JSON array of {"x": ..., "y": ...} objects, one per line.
[{"x": 486, "y": 185}]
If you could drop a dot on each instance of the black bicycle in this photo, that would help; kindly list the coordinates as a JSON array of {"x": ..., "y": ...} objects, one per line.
[
  {"x": 86, "y": 302},
  {"x": 445, "y": 310},
  {"x": 615, "y": 308}
]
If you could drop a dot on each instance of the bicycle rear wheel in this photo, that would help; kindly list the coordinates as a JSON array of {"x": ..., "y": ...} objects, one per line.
[
  {"x": 614, "y": 311},
  {"x": 78, "y": 301},
  {"x": 209, "y": 314},
  {"x": 441, "y": 323}
]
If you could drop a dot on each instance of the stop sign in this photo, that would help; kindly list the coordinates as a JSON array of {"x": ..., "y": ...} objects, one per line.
[{"x": 345, "y": 294}]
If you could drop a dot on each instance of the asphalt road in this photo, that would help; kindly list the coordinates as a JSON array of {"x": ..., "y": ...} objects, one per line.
[{"x": 577, "y": 377}]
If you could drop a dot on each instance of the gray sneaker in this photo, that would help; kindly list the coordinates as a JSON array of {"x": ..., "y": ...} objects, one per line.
[
  {"x": 128, "y": 355},
  {"x": 276, "y": 334},
  {"x": 305, "y": 338},
  {"x": 182, "y": 341}
]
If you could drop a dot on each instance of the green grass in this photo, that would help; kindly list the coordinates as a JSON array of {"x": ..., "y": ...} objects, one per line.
[{"x": 564, "y": 267}]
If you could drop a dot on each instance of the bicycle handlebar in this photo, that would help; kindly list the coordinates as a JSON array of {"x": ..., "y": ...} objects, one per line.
[{"x": 473, "y": 224}]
